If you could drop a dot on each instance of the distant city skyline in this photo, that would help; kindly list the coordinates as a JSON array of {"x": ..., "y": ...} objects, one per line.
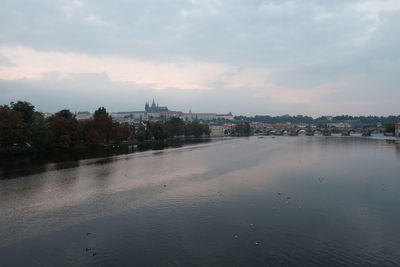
[{"x": 246, "y": 57}]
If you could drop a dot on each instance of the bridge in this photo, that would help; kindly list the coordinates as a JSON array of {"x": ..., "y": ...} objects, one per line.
[{"x": 324, "y": 131}]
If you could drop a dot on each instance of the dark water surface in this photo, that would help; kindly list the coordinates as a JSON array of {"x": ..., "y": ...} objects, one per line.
[{"x": 285, "y": 201}]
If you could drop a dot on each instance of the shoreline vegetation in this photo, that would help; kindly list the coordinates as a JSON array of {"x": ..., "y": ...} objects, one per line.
[{"x": 24, "y": 131}]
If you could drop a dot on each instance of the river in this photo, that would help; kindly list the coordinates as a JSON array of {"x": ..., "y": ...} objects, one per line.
[{"x": 271, "y": 201}]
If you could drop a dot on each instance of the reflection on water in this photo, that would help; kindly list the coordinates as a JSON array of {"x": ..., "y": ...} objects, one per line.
[
  {"x": 307, "y": 201},
  {"x": 26, "y": 165}
]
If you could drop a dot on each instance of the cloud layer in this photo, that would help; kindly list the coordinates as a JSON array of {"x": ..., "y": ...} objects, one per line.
[{"x": 267, "y": 57}]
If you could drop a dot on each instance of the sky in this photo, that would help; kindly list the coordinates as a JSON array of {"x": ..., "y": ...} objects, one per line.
[{"x": 272, "y": 57}]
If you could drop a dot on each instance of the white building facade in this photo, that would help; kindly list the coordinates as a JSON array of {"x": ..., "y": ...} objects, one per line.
[
  {"x": 227, "y": 117},
  {"x": 199, "y": 116},
  {"x": 217, "y": 130}
]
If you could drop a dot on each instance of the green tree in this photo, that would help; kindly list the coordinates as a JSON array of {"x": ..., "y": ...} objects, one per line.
[
  {"x": 158, "y": 130},
  {"x": 175, "y": 127},
  {"x": 101, "y": 114},
  {"x": 12, "y": 127},
  {"x": 25, "y": 108},
  {"x": 122, "y": 132},
  {"x": 40, "y": 134},
  {"x": 196, "y": 129},
  {"x": 103, "y": 124},
  {"x": 242, "y": 129},
  {"x": 142, "y": 134},
  {"x": 390, "y": 128},
  {"x": 64, "y": 129},
  {"x": 206, "y": 129},
  {"x": 98, "y": 131}
]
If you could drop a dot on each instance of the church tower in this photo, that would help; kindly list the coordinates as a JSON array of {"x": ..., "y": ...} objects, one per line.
[{"x": 153, "y": 106}]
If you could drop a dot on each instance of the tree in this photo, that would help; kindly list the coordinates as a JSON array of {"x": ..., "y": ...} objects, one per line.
[
  {"x": 206, "y": 129},
  {"x": 103, "y": 124},
  {"x": 40, "y": 134},
  {"x": 12, "y": 127},
  {"x": 242, "y": 129},
  {"x": 196, "y": 129},
  {"x": 158, "y": 130},
  {"x": 175, "y": 127},
  {"x": 64, "y": 129},
  {"x": 101, "y": 114},
  {"x": 25, "y": 108},
  {"x": 142, "y": 134},
  {"x": 97, "y": 131},
  {"x": 122, "y": 132},
  {"x": 390, "y": 128}
]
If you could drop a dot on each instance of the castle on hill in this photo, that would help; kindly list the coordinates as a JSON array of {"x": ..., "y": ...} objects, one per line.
[
  {"x": 154, "y": 107},
  {"x": 157, "y": 112}
]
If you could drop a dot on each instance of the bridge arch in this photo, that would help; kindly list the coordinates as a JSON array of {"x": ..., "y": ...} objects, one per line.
[
  {"x": 280, "y": 131},
  {"x": 302, "y": 130},
  {"x": 268, "y": 132},
  {"x": 353, "y": 131},
  {"x": 370, "y": 131},
  {"x": 318, "y": 131}
]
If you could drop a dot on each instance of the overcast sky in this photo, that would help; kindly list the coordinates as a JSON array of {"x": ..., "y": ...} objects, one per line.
[{"x": 312, "y": 57}]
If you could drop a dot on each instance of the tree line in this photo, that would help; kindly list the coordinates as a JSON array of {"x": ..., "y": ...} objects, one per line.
[
  {"x": 174, "y": 127},
  {"x": 23, "y": 129}
]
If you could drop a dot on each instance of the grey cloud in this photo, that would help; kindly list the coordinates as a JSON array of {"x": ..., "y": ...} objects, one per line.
[
  {"x": 4, "y": 61},
  {"x": 89, "y": 91},
  {"x": 377, "y": 62},
  {"x": 311, "y": 42},
  {"x": 250, "y": 32}
]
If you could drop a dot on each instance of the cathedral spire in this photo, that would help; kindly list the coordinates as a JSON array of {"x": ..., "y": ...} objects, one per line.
[{"x": 155, "y": 107}]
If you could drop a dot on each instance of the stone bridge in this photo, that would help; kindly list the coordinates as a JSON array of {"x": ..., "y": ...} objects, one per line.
[{"x": 292, "y": 131}]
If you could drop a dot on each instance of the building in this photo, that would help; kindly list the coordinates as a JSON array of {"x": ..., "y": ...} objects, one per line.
[
  {"x": 283, "y": 125},
  {"x": 83, "y": 115},
  {"x": 128, "y": 116},
  {"x": 199, "y": 116},
  {"x": 217, "y": 130},
  {"x": 229, "y": 128},
  {"x": 47, "y": 114},
  {"x": 170, "y": 114},
  {"x": 156, "y": 112},
  {"x": 301, "y": 125},
  {"x": 397, "y": 127},
  {"x": 227, "y": 117},
  {"x": 154, "y": 108},
  {"x": 338, "y": 125}
]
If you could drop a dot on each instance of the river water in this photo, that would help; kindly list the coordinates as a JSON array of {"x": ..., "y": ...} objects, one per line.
[{"x": 284, "y": 201}]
